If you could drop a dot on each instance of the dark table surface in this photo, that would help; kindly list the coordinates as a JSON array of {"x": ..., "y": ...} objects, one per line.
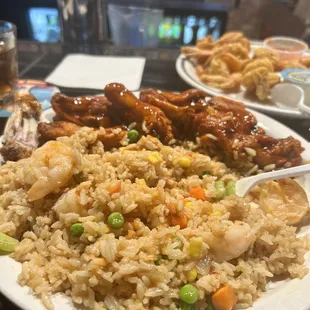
[{"x": 37, "y": 60}]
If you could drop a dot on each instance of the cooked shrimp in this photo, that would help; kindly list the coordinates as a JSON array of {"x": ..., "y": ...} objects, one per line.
[
  {"x": 263, "y": 52},
  {"x": 222, "y": 82},
  {"x": 258, "y": 63},
  {"x": 232, "y": 243},
  {"x": 74, "y": 201},
  {"x": 285, "y": 200},
  {"x": 49, "y": 168}
]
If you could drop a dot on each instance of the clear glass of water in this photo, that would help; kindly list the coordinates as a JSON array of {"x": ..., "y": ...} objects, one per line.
[{"x": 8, "y": 63}]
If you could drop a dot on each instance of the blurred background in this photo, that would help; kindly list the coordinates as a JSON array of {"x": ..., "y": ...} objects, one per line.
[{"x": 154, "y": 23}]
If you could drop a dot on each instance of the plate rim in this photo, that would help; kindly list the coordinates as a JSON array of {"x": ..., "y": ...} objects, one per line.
[{"x": 34, "y": 303}]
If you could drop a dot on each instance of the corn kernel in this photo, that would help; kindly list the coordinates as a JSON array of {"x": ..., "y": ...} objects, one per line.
[
  {"x": 154, "y": 158},
  {"x": 216, "y": 213},
  {"x": 185, "y": 162},
  {"x": 189, "y": 205},
  {"x": 195, "y": 247},
  {"x": 122, "y": 149},
  {"x": 141, "y": 182},
  {"x": 191, "y": 275}
]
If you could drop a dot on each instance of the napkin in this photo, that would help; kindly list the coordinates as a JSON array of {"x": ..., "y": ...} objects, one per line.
[{"x": 94, "y": 72}]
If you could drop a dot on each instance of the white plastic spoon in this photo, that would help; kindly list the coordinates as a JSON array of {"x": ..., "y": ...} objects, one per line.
[{"x": 244, "y": 185}]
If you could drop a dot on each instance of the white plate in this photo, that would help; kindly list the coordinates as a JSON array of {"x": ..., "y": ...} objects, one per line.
[
  {"x": 186, "y": 71},
  {"x": 283, "y": 295}
]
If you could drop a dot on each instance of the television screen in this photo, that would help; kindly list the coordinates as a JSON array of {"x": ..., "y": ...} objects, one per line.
[{"x": 44, "y": 24}]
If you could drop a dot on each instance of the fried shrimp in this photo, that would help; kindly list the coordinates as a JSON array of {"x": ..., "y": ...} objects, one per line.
[
  {"x": 262, "y": 52},
  {"x": 258, "y": 63},
  {"x": 222, "y": 82},
  {"x": 260, "y": 81},
  {"x": 49, "y": 168}
]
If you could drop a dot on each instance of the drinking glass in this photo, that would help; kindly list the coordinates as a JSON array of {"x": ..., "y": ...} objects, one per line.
[
  {"x": 8, "y": 63},
  {"x": 82, "y": 21},
  {"x": 134, "y": 26}
]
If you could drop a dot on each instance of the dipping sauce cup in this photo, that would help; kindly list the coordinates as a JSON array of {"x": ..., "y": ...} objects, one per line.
[{"x": 287, "y": 48}]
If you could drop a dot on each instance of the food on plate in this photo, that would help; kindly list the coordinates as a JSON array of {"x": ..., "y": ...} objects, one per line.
[
  {"x": 185, "y": 98},
  {"x": 20, "y": 134},
  {"x": 218, "y": 81},
  {"x": 305, "y": 61},
  {"x": 83, "y": 111},
  {"x": 49, "y": 168},
  {"x": 7, "y": 244},
  {"x": 222, "y": 126},
  {"x": 147, "y": 225},
  {"x": 54, "y": 130},
  {"x": 228, "y": 64},
  {"x": 288, "y": 64},
  {"x": 110, "y": 137},
  {"x": 152, "y": 119},
  {"x": 260, "y": 81},
  {"x": 139, "y": 211},
  {"x": 263, "y": 52},
  {"x": 226, "y": 126}
]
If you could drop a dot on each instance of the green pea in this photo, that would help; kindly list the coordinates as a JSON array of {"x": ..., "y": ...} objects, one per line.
[
  {"x": 203, "y": 173},
  {"x": 7, "y": 243},
  {"x": 185, "y": 306},
  {"x": 230, "y": 188},
  {"x": 77, "y": 229},
  {"x": 116, "y": 220},
  {"x": 189, "y": 294},
  {"x": 133, "y": 136},
  {"x": 220, "y": 189}
]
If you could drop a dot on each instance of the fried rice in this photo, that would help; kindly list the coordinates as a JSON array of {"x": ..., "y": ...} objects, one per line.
[{"x": 115, "y": 269}]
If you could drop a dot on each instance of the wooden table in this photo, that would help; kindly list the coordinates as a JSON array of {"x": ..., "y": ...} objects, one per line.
[{"x": 37, "y": 60}]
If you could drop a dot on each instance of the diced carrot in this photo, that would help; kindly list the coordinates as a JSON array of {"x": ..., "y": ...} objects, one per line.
[
  {"x": 179, "y": 220},
  {"x": 198, "y": 193},
  {"x": 115, "y": 189},
  {"x": 224, "y": 298},
  {"x": 172, "y": 208}
]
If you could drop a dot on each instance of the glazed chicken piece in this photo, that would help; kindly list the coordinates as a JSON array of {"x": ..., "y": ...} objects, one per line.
[
  {"x": 111, "y": 138},
  {"x": 151, "y": 119},
  {"x": 20, "y": 134},
  {"x": 227, "y": 125},
  {"x": 52, "y": 131},
  {"x": 180, "y": 108},
  {"x": 90, "y": 111},
  {"x": 190, "y": 97}
]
